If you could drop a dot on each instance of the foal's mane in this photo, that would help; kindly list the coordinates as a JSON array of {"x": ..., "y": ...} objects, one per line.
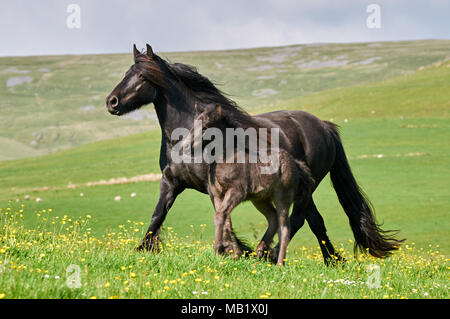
[{"x": 199, "y": 86}]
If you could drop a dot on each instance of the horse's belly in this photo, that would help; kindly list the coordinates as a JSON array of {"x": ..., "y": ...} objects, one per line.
[{"x": 193, "y": 176}]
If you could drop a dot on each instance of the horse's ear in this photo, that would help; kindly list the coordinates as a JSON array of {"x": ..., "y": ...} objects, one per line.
[
  {"x": 219, "y": 111},
  {"x": 135, "y": 51},
  {"x": 149, "y": 51}
]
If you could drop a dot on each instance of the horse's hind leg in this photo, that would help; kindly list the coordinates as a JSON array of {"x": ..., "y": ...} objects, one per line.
[
  {"x": 266, "y": 208},
  {"x": 282, "y": 206},
  {"x": 317, "y": 226}
]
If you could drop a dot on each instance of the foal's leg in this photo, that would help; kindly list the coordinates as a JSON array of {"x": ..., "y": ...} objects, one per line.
[
  {"x": 266, "y": 208},
  {"x": 237, "y": 247},
  {"x": 282, "y": 206},
  {"x": 296, "y": 222},
  {"x": 223, "y": 210},
  {"x": 229, "y": 239}
]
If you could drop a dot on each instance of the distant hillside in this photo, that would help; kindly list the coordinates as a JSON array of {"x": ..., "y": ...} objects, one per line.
[
  {"x": 423, "y": 94},
  {"x": 57, "y": 102},
  {"x": 418, "y": 97}
]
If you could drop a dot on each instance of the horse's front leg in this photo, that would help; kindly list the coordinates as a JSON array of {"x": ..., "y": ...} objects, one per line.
[
  {"x": 235, "y": 247},
  {"x": 222, "y": 221},
  {"x": 168, "y": 192}
]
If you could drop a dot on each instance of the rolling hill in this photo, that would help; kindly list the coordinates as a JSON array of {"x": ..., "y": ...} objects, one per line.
[{"x": 51, "y": 103}]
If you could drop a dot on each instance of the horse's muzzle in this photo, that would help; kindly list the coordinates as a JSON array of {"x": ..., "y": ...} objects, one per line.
[{"x": 112, "y": 103}]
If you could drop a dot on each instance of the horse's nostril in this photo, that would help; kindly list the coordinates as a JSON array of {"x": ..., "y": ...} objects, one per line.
[{"x": 114, "y": 101}]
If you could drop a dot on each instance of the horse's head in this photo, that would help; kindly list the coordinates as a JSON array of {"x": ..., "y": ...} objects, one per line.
[{"x": 140, "y": 85}]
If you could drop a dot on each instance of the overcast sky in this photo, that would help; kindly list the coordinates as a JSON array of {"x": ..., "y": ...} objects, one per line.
[{"x": 108, "y": 26}]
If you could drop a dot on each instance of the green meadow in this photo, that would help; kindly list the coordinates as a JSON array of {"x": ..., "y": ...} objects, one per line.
[{"x": 391, "y": 100}]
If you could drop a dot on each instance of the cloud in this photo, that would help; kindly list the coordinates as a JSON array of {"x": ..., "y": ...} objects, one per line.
[{"x": 39, "y": 27}]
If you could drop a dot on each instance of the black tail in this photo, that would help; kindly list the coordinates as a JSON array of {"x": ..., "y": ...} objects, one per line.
[{"x": 368, "y": 234}]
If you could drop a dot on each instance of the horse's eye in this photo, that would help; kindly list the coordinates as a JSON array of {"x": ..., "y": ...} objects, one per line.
[{"x": 141, "y": 76}]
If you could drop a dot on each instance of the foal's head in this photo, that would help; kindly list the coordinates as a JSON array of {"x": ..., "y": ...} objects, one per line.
[
  {"x": 211, "y": 116},
  {"x": 140, "y": 85}
]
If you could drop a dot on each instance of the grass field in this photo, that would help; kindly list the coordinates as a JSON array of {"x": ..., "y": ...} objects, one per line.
[
  {"x": 394, "y": 125},
  {"x": 60, "y": 258}
]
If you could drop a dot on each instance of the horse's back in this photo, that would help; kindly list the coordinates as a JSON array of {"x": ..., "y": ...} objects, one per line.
[{"x": 305, "y": 137}]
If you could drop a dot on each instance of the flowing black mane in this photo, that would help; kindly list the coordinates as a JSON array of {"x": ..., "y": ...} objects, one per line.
[
  {"x": 202, "y": 87},
  {"x": 199, "y": 86},
  {"x": 206, "y": 92}
]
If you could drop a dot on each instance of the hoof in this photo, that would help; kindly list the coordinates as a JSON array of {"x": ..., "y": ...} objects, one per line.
[
  {"x": 220, "y": 249},
  {"x": 149, "y": 244},
  {"x": 273, "y": 255},
  {"x": 262, "y": 254},
  {"x": 266, "y": 253},
  {"x": 334, "y": 260}
]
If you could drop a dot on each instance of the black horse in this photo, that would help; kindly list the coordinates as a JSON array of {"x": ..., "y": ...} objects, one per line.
[{"x": 176, "y": 90}]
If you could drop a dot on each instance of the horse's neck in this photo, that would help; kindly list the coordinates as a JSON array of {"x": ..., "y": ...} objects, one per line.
[{"x": 174, "y": 111}]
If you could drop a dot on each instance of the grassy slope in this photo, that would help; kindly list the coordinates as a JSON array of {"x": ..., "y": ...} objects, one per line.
[
  {"x": 36, "y": 263},
  {"x": 63, "y": 106}
]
